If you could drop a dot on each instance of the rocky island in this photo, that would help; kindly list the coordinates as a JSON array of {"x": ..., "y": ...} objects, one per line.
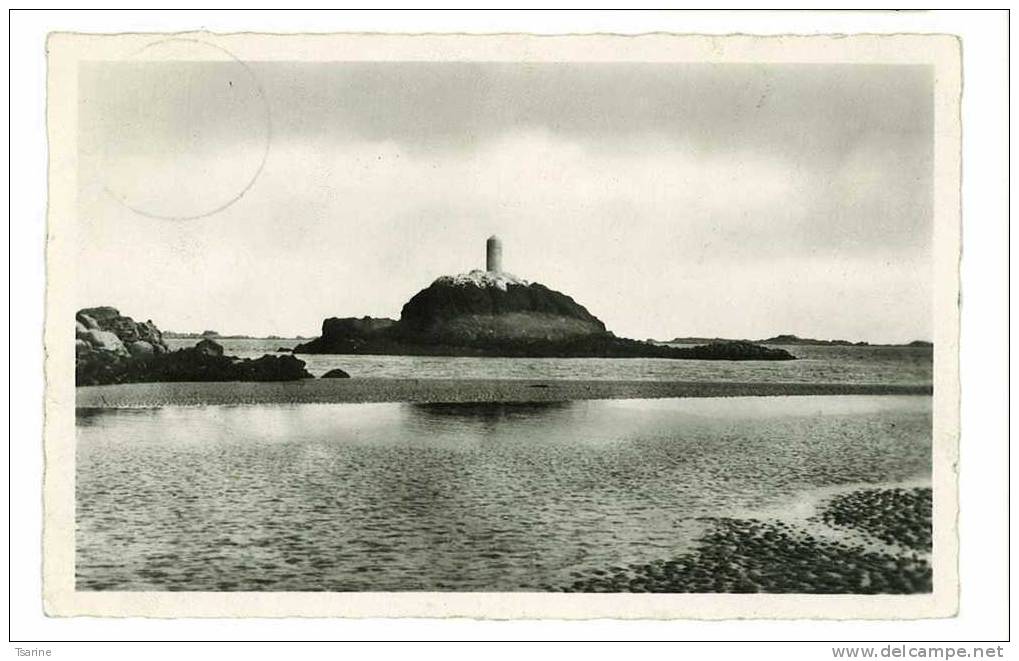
[{"x": 494, "y": 313}]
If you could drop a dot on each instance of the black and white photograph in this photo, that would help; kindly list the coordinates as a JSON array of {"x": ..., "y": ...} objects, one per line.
[{"x": 562, "y": 319}]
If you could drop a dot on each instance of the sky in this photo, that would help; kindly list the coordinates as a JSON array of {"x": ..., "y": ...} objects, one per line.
[{"x": 672, "y": 199}]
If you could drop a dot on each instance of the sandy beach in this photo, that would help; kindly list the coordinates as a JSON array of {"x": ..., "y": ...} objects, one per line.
[{"x": 449, "y": 391}]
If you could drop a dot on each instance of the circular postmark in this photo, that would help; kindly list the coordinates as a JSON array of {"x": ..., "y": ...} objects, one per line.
[{"x": 188, "y": 132}]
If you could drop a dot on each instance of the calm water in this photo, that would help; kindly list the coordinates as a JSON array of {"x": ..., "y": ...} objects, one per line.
[
  {"x": 454, "y": 497},
  {"x": 899, "y": 365}
]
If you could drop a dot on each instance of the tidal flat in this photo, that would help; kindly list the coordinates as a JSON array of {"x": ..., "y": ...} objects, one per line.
[
  {"x": 453, "y": 391},
  {"x": 879, "y": 542},
  {"x": 524, "y": 496}
]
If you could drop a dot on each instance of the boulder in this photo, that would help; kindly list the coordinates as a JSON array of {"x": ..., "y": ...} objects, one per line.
[
  {"x": 148, "y": 332},
  {"x": 125, "y": 328},
  {"x": 335, "y": 374},
  {"x": 106, "y": 318},
  {"x": 209, "y": 347},
  {"x": 86, "y": 320},
  {"x": 101, "y": 314},
  {"x": 140, "y": 348},
  {"x": 270, "y": 368},
  {"x": 105, "y": 341}
]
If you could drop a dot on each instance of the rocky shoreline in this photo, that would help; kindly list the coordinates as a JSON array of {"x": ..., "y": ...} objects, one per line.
[
  {"x": 775, "y": 556},
  {"x": 111, "y": 348}
]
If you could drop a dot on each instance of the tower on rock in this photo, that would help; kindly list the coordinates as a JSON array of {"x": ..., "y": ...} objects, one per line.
[{"x": 493, "y": 254}]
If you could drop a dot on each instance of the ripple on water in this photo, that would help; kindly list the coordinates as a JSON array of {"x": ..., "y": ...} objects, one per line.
[{"x": 463, "y": 497}]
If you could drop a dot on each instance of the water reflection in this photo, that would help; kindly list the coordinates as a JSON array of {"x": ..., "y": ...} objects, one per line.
[
  {"x": 488, "y": 411},
  {"x": 483, "y": 420}
]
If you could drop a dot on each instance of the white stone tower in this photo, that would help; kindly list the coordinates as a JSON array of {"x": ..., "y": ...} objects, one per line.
[{"x": 493, "y": 254}]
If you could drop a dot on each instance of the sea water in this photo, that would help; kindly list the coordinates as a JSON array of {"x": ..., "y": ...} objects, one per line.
[
  {"x": 493, "y": 497},
  {"x": 815, "y": 364}
]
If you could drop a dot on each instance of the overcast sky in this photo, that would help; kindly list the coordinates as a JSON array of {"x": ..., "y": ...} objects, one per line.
[{"x": 669, "y": 199}]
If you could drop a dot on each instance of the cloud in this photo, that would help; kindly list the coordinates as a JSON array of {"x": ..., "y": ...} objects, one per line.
[{"x": 669, "y": 200}]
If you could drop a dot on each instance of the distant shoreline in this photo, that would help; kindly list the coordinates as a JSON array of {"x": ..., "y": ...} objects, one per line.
[
  {"x": 794, "y": 341},
  {"x": 367, "y": 390},
  {"x": 679, "y": 341}
]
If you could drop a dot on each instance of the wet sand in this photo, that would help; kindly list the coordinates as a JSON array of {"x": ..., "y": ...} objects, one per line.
[
  {"x": 897, "y": 517},
  {"x": 450, "y": 391},
  {"x": 889, "y": 554}
]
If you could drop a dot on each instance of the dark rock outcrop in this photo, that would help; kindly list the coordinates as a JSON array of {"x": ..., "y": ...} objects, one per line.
[
  {"x": 107, "y": 329},
  {"x": 455, "y": 311},
  {"x": 107, "y": 341},
  {"x": 209, "y": 347},
  {"x": 736, "y": 351},
  {"x": 354, "y": 328},
  {"x": 335, "y": 374},
  {"x": 350, "y": 335},
  {"x": 195, "y": 364},
  {"x": 111, "y": 348},
  {"x": 494, "y": 314}
]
